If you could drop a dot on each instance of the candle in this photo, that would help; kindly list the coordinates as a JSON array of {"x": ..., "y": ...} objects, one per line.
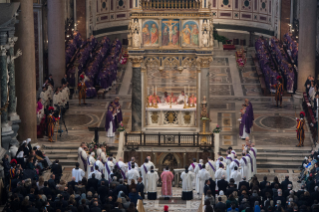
[
  {"x": 156, "y": 90},
  {"x": 148, "y": 91}
]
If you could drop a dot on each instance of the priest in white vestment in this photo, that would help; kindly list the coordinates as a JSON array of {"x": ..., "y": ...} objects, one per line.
[
  {"x": 78, "y": 173},
  {"x": 98, "y": 151},
  {"x": 104, "y": 157},
  {"x": 132, "y": 174},
  {"x": 82, "y": 157},
  {"x": 122, "y": 167},
  {"x": 249, "y": 172},
  {"x": 150, "y": 163},
  {"x": 182, "y": 98},
  {"x": 99, "y": 164},
  {"x": 108, "y": 169},
  {"x": 219, "y": 173},
  {"x": 152, "y": 178},
  {"x": 187, "y": 184},
  {"x": 233, "y": 164},
  {"x": 192, "y": 169},
  {"x": 210, "y": 167},
  {"x": 196, "y": 171},
  {"x": 132, "y": 162},
  {"x": 253, "y": 150},
  {"x": 203, "y": 175},
  {"x": 91, "y": 161},
  {"x": 228, "y": 161},
  {"x": 244, "y": 166},
  {"x": 236, "y": 176},
  {"x": 144, "y": 170},
  {"x": 97, "y": 173}
]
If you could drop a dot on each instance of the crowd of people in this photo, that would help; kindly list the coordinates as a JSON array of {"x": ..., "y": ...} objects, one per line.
[
  {"x": 97, "y": 59},
  {"x": 271, "y": 66},
  {"x": 292, "y": 47}
]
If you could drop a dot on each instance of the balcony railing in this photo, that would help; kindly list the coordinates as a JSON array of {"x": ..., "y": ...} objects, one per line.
[{"x": 171, "y": 5}]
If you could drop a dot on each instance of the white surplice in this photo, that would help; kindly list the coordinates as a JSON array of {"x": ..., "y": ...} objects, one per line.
[
  {"x": 218, "y": 175},
  {"x": 108, "y": 170},
  {"x": 244, "y": 167},
  {"x": 82, "y": 153},
  {"x": 132, "y": 175},
  {"x": 196, "y": 171},
  {"x": 152, "y": 179},
  {"x": 187, "y": 181},
  {"x": 98, "y": 174},
  {"x": 236, "y": 176},
  {"x": 233, "y": 165},
  {"x": 211, "y": 168},
  {"x": 203, "y": 175},
  {"x": 144, "y": 170},
  {"x": 228, "y": 161},
  {"x": 78, "y": 174}
]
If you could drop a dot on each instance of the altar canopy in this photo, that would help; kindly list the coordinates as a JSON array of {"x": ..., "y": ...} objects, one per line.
[{"x": 170, "y": 47}]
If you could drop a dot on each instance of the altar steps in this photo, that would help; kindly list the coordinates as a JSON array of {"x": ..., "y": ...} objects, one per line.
[
  {"x": 66, "y": 152},
  {"x": 277, "y": 157}
]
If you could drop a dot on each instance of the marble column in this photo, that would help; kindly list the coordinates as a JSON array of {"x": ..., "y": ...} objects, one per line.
[
  {"x": 25, "y": 78},
  {"x": 13, "y": 116},
  {"x": 56, "y": 40},
  {"x": 307, "y": 47},
  {"x": 136, "y": 93},
  {"x": 203, "y": 66},
  {"x": 6, "y": 129}
]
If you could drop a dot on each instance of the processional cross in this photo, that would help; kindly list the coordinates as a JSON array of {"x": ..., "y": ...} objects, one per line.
[{"x": 170, "y": 24}]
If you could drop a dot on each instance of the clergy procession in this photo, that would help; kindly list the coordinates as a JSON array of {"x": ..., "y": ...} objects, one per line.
[{"x": 220, "y": 173}]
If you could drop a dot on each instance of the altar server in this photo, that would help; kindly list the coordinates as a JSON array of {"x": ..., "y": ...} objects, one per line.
[
  {"x": 98, "y": 174},
  {"x": 152, "y": 178},
  {"x": 228, "y": 161},
  {"x": 196, "y": 171},
  {"x": 219, "y": 173},
  {"x": 203, "y": 175},
  {"x": 144, "y": 170},
  {"x": 99, "y": 164},
  {"x": 192, "y": 169},
  {"x": 132, "y": 174},
  {"x": 210, "y": 167},
  {"x": 187, "y": 184},
  {"x": 82, "y": 157},
  {"x": 236, "y": 176},
  {"x": 78, "y": 173}
]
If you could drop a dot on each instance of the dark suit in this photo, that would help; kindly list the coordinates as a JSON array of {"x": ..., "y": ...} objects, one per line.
[
  {"x": 103, "y": 192},
  {"x": 212, "y": 186},
  {"x": 230, "y": 190},
  {"x": 72, "y": 184},
  {"x": 284, "y": 184},
  {"x": 64, "y": 80},
  {"x": 51, "y": 81},
  {"x": 311, "y": 186},
  {"x": 51, "y": 183},
  {"x": 140, "y": 189},
  {"x": 119, "y": 188},
  {"x": 221, "y": 206},
  {"x": 95, "y": 209},
  {"x": 93, "y": 182},
  {"x": 263, "y": 184},
  {"x": 245, "y": 183},
  {"x": 206, "y": 188},
  {"x": 57, "y": 171},
  {"x": 222, "y": 185}
]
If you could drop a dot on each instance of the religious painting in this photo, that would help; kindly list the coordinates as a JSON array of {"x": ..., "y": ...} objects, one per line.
[
  {"x": 190, "y": 34},
  {"x": 150, "y": 33},
  {"x": 170, "y": 32}
]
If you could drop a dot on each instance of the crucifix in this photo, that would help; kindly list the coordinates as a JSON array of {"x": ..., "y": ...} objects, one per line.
[{"x": 170, "y": 24}]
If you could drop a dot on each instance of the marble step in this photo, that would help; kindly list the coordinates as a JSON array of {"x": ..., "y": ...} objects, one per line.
[
  {"x": 68, "y": 162},
  {"x": 282, "y": 165},
  {"x": 278, "y": 150},
  {"x": 61, "y": 151},
  {"x": 62, "y": 156}
]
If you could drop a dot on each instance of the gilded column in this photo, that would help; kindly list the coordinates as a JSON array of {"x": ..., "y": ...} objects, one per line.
[
  {"x": 136, "y": 93},
  {"x": 203, "y": 65}
]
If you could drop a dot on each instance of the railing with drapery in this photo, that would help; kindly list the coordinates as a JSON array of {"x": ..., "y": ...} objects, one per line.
[
  {"x": 170, "y": 4},
  {"x": 203, "y": 140}
]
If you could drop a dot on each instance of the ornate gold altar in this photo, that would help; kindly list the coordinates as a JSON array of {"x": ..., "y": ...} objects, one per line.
[{"x": 170, "y": 45}]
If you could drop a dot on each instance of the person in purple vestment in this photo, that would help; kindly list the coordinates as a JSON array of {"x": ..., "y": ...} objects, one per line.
[
  {"x": 117, "y": 111},
  {"x": 109, "y": 123},
  {"x": 250, "y": 111},
  {"x": 290, "y": 80},
  {"x": 244, "y": 127}
]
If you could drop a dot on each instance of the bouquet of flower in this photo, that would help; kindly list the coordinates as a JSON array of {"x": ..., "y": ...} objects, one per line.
[
  {"x": 217, "y": 129},
  {"x": 92, "y": 147},
  {"x": 121, "y": 128}
]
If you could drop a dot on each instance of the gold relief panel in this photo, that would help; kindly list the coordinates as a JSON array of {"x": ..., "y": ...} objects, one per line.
[
  {"x": 36, "y": 1},
  {"x": 154, "y": 117},
  {"x": 187, "y": 118}
]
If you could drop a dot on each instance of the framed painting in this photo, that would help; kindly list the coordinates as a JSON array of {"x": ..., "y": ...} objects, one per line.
[
  {"x": 170, "y": 32},
  {"x": 190, "y": 34},
  {"x": 150, "y": 33}
]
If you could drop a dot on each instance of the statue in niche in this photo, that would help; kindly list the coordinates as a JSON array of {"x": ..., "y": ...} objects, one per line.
[
  {"x": 205, "y": 39},
  {"x": 170, "y": 160},
  {"x": 136, "y": 39}
]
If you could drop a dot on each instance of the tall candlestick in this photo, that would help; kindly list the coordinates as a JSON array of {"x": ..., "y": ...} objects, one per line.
[
  {"x": 156, "y": 90},
  {"x": 148, "y": 91}
]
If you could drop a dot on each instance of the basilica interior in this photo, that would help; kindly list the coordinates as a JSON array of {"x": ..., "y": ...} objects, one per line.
[{"x": 172, "y": 81}]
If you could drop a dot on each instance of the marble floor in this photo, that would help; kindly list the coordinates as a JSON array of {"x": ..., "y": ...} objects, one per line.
[{"x": 273, "y": 130}]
